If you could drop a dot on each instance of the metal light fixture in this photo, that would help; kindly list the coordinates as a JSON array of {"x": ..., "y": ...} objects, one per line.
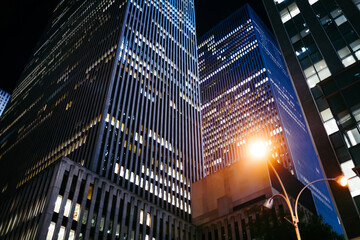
[{"x": 258, "y": 150}]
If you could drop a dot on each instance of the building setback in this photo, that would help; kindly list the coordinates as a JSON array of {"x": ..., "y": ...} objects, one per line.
[
  {"x": 227, "y": 203},
  {"x": 101, "y": 138},
  {"x": 246, "y": 92},
  {"x": 4, "y": 98},
  {"x": 320, "y": 41}
]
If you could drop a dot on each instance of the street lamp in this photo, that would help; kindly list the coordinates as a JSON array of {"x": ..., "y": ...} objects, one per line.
[{"x": 258, "y": 150}]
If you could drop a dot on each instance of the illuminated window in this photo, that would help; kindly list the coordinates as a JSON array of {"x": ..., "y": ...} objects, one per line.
[
  {"x": 330, "y": 126},
  {"x": 90, "y": 192},
  {"x": 355, "y": 46},
  {"x": 354, "y": 182},
  {"x": 357, "y": 3},
  {"x": 322, "y": 72},
  {"x": 141, "y": 218},
  {"x": 116, "y": 168},
  {"x": 353, "y": 136},
  {"x": 58, "y": 204},
  {"x": 86, "y": 213},
  {"x": 346, "y": 57},
  {"x": 356, "y": 113},
  {"x": 61, "y": 235},
  {"x": 340, "y": 20},
  {"x": 322, "y": 69},
  {"x": 67, "y": 208},
  {"x": 76, "y": 212},
  {"x": 68, "y": 105},
  {"x": 71, "y": 235},
  {"x": 311, "y": 2},
  {"x": 50, "y": 231},
  {"x": 102, "y": 222},
  {"x": 309, "y": 71},
  {"x": 343, "y": 52},
  {"x": 312, "y": 81},
  {"x": 148, "y": 220},
  {"x": 326, "y": 115},
  {"x": 291, "y": 11},
  {"x": 347, "y": 61}
]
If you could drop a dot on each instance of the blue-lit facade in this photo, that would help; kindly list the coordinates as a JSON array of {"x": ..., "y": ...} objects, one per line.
[
  {"x": 246, "y": 92},
  {"x": 4, "y": 98},
  {"x": 102, "y": 137}
]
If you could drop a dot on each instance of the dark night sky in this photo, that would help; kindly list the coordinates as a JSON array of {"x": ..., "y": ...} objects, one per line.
[{"x": 22, "y": 22}]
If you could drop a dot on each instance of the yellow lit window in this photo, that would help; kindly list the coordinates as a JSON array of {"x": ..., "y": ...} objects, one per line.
[
  {"x": 116, "y": 168},
  {"x": 90, "y": 192},
  {"x": 68, "y": 105},
  {"x": 76, "y": 212},
  {"x": 148, "y": 219},
  {"x": 141, "y": 219}
]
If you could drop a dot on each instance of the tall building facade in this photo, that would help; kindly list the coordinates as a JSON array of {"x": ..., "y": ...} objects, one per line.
[
  {"x": 320, "y": 41},
  {"x": 4, "y": 98},
  {"x": 102, "y": 137},
  {"x": 246, "y": 92}
]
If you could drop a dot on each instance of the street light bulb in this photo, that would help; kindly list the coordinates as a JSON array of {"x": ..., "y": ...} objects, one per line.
[
  {"x": 258, "y": 149},
  {"x": 269, "y": 203},
  {"x": 343, "y": 181}
]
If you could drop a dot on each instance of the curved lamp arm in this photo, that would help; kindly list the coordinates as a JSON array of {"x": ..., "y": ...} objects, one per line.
[
  {"x": 268, "y": 202},
  {"x": 278, "y": 194},
  {"x": 306, "y": 186},
  {"x": 287, "y": 200}
]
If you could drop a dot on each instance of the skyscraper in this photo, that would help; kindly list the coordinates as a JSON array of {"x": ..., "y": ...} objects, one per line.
[
  {"x": 320, "y": 41},
  {"x": 4, "y": 98},
  {"x": 246, "y": 92},
  {"x": 102, "y": 136}
]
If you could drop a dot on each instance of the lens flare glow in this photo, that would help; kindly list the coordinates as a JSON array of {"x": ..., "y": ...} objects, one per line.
[
  {"x": 258, "y": 149},
  {"x": 343, "y": 181}
]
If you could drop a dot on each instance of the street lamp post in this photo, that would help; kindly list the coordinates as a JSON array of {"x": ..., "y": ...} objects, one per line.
[
  {"x": 258, "y": 150},
  {"x": 285, "y": 196}
]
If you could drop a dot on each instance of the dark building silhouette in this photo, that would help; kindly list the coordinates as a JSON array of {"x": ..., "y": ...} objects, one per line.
[
  {"x": 246, "y": 92},
  {"x": 101, "y": 138},
  {"x": 320, "y": 41}
]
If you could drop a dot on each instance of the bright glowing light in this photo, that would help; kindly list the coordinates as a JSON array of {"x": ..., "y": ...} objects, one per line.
[
  {"x": 258, "y": 149},
  {"x": 343, "y": 181}
]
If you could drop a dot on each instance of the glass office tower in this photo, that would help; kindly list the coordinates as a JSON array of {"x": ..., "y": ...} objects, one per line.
[
  {"x": 246, "y": 92},
  {"x": 101, "y": 138},
  {"x": 320, "y": 40},
  {"x": 4, "y": 98}
]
